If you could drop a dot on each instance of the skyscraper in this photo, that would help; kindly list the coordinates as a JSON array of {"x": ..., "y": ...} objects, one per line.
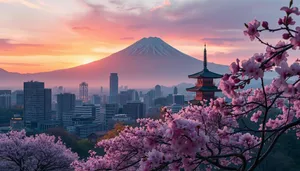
[
  {"x": 135, "y": 110},
  {"x": 65, "y": 104},
  {"x": 158, "y": 91},
  {"x": 179, "y": 99},
  {"x": 5, "y": 99},
  {"x": 101, "y": 90},
  {"x": 83, "y": 92},
  {"x": 175, "y": 91},
  {"x": 48, "y": 104},
  {"x": 34, "y": 103},
  {"x": 113, "y": 87}
]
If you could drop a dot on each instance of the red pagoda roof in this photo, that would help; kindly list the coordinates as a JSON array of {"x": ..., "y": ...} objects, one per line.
[
  {"x": 205, "y": 74},
  {"x": 203, "y": 88}
]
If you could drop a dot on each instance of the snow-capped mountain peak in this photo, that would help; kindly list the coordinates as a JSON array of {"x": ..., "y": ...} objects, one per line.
[{"x": 152, "y": 46}]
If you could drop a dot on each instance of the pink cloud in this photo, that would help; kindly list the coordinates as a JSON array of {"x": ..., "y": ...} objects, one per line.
[{"x": 165, "y": 3}]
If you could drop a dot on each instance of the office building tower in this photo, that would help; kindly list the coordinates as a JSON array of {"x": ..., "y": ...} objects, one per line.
[
  {"x": 101, "y": 90},
  {"x": 161, "y": 102},
  {"x": 86, "y": 110},
  {"x": 170, "y": 99},
  {"x": 96, "y": 99},
  {"x": 34, "y": 103},
  {"x": 104, "y": 99},
  {"x": 158, "y": 92},
  {"x": 20, "y": 99},
  {"x": 48, "y": 104},
  {"x": 5, "y": 99},
  {"x": 65, "y": 105},
  {"x": 17, "y": 98},
  {"x": 179, "y": 99},
  {"x": 83, "y": 92},
  {"x": 149, "y": 99},
  {"x": 128, "y": 96},
  {"x": 113, "y": 87},
  {"x": 175, "y": 91},
  {"x": 135, "y": 110},
  {"x": 110, "y": 111}
]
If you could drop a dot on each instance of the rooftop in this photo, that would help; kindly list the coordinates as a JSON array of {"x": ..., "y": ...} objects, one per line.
[
  {"x": 204, "y": 89},
  {"x": 205, "y": 73}
]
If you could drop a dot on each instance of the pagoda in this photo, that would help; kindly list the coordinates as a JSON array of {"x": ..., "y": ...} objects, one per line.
[{"x": 205, "y": 87}]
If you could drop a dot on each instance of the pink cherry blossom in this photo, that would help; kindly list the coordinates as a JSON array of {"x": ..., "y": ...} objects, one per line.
[
  {"x": 216, "y": 134},
  {"x": 295, "y": 41},
  {"x": 284, "y": 70},
  {"x": 234, "y": 68},
  {"x": 256, "y": 116},
  {"x": 252, "y": 30},
  {"x": 259, "y": 57},
  {"x": 20, "y": 152},
  {"x": 292, "y": 10}
]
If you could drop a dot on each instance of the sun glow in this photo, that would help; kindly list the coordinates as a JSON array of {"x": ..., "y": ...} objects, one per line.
[{"x": 87, "y": 60}]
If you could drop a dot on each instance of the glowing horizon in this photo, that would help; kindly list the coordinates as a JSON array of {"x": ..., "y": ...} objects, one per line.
[{"x": 42, "y": 35}]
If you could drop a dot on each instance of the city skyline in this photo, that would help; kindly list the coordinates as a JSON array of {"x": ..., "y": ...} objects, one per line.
[{"x": 28, "y": 46}]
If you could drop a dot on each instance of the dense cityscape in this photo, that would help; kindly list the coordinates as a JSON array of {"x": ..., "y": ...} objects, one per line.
[
  {"x": 83, "y": 114},
  {"x": 92, "y": 116}
]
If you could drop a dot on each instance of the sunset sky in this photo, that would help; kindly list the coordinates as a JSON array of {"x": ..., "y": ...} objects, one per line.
[{"x": 44, "y": 35}]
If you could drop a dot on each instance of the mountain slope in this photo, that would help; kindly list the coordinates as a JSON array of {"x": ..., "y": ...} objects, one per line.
[{"x": 145, "y": 63}]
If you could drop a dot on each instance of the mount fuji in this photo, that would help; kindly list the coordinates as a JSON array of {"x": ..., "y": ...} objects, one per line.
[{"x": 143, "y": 64}]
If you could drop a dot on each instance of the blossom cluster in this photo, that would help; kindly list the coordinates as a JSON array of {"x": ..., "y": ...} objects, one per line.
[
  {"x": 219, "y": 134},
  {"x": 40, "y": 152}
]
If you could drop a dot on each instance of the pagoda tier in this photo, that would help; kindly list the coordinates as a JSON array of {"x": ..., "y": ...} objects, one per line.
[
  {"x": 205, "y": 73},
  {"x": 205, "y": 87}
]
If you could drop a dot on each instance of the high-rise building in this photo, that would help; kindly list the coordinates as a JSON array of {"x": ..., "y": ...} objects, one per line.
[
  {"x": 128, "y": 96},
  {"x": 34, "y": 103},
  {"x": 135, "y": 110},
  {"x": 175, "y": 91},
  {"x": 104, "y": 99},
  {"x": 149, "y": 99},
  {"x": 101, "y": 90},
  {"x": 83, "y": 92},
  {"x": 179, "y": 99},
  {"x": 160, "y": 102},
  {"x": 65, "y": 105},
  {"x": 17, "y": 98},
  {"x": 110, "y": 111},
  {"x": 96, "y": 99},
  {"x": 48, "y": 104},
  {"x": 5, "y": 99},
  {"x": 170, "y": 99},
  {"x": 113, "y": 87},
  {"x": 158, "y": 91},
  {"x": 20, "y": 99}
]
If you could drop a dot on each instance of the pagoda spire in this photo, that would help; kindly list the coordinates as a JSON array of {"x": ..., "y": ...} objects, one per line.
[{"x": 205, "y": 58}]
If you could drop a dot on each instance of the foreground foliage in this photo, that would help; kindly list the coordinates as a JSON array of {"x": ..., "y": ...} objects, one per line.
[
  {"x": 34, "y": 153},
  {"x": 229, "y": 136}
]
